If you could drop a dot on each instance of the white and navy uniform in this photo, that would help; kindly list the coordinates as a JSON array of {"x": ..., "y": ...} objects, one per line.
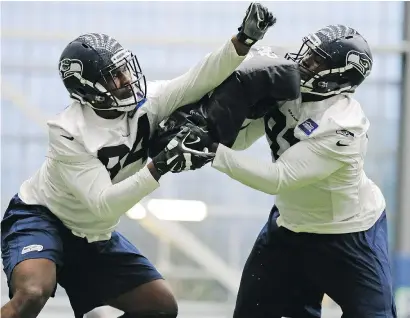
[
  {"x": 327, "y": 232},
  {"x": 317, "y": 175},
  {"x": 95, "y": 168},
  {"x": 94, "y": 172}
]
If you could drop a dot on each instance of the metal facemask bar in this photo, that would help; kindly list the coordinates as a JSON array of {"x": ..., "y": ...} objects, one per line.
[
  {"x": 312, "y": 43},
  {"x": 124, "y": 97}
]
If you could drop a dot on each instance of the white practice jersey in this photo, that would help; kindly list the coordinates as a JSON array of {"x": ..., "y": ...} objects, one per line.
[
  {"x": 317, "y": 175},
  {"x": 95, "y": 168}
]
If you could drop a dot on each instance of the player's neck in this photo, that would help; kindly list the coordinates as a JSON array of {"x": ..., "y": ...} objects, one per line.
[
  {"x": 306, "y": 98},
  {"x": 108, "y": 114}
]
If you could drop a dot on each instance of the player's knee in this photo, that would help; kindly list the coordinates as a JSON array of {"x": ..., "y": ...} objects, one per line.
[
  {"x": 33, "y": 296},
  {"x": 33, "y": 281}
]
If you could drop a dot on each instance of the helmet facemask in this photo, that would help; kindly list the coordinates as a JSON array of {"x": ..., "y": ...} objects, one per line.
[
  {"x": 122, "y": 84},
  {"x": 317, "y": 75}
]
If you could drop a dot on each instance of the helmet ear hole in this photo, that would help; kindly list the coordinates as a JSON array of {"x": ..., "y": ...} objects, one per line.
[{"x": 85, "y": 45}]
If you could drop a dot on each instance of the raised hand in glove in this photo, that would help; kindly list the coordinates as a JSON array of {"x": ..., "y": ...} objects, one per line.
[
  {"x": 188, "y": 150},
  {"x": 255, "y": 24}
]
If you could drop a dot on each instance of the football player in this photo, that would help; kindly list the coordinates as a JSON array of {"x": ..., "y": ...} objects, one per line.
[
  {"x": 327, "y": 232},
  {"x": 60, "y": 227}
]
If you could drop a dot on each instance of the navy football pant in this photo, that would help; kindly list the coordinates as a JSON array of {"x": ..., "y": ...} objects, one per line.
[
  {"x": 91, "y": 273},
  {"x": 287, "y": 274}
]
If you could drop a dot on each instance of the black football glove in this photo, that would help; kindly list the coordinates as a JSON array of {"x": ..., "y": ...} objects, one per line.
[
  {"x": 255, "y": 24},
  {"x": 188, "y": 150}
]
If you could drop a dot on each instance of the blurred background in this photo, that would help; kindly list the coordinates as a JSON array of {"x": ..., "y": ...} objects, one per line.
[{"x": 201, "y": 249}]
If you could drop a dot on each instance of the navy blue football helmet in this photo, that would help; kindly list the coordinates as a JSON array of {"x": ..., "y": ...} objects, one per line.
[
  {"x": 98, "y": 72},
  {"x": 333, "y": 60}
]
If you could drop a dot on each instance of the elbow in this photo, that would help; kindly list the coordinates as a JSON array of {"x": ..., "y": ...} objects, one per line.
[
  {"x": 105, "y": 212},
  {"x": 271, "y": 191},
  {"x": 272, "y": 183},
  {"x": 110, "y": 210}
]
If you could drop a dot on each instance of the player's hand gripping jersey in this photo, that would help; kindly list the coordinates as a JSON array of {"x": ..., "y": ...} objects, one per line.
[
  {"x": 88, "y": 155},
  {"x": 261, "y": 83}
]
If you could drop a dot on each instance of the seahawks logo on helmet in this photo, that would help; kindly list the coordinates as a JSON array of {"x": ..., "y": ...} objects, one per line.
[
  {"x": 359, "y": 61},
  {"x": 69, "y": 67}
]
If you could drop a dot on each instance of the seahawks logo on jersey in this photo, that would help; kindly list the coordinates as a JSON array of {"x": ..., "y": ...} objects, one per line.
[
  {"x": 359, "y": 61},
  {"x": 69, "y": 67}
]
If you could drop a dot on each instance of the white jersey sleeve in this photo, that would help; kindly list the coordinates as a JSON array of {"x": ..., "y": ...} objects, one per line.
[
  {"x": 195, "y": 83},
  {"x": 321, "y": 152},
  {"x": 300, "y": 165},
  {"x": 89, "y": 181},
  {"x": 250, "y": 132}
]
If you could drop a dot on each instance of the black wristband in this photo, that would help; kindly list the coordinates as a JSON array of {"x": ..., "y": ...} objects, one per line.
[{"x": 244, "y": 39}]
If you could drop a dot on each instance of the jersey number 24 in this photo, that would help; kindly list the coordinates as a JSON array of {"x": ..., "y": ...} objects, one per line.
[{"x": 115, "y": 158}]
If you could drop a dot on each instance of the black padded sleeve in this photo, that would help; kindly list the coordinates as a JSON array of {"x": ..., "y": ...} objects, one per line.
[{"x": 258, "y": 84}]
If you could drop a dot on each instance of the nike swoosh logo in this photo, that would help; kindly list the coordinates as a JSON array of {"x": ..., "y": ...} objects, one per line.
[
  {"x": 340, "y": 144},
  {"x": 173, "y": 168},
  {"x": 66, "y": 137},
  {"x": 171, "y": 159},
  {"x": 194, "y": 142}
]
